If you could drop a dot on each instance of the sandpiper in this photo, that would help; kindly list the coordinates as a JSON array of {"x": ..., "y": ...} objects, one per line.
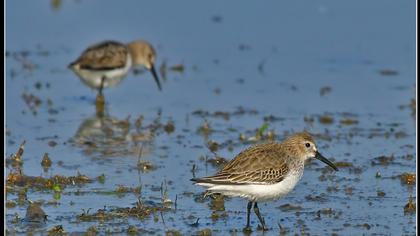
[
  {"x": 264, "y": 172},
  {"x": 105, "y": 64}
]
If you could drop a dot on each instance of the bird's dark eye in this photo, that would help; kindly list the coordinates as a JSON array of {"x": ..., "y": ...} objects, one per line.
[{"x": 307, "y": 145}]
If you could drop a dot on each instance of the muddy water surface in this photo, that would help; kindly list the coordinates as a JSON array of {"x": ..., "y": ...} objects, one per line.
[{"x": 343, "y": 71}]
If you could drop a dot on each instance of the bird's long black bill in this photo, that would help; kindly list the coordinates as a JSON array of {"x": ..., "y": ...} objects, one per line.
[
  {"x": 325, "y": 160},
  {"x": 155, "y": 76}
]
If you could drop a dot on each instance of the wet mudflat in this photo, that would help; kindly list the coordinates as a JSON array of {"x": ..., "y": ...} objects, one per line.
[{"x": 343, "y": 71}]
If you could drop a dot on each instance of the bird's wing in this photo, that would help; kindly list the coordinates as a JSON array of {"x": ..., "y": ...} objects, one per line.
[
  {"x": 260, "y": 164},
  {"x": 103, "y": 56}
]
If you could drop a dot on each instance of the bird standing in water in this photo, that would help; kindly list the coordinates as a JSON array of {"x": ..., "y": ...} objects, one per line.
[
  {"x": 264, "y": 172},
  {"x": 105, "y": 64}
]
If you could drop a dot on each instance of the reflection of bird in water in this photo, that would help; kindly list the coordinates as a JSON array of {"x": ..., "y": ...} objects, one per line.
[
  {"x": 34, "y": 213},
  {"x": 107, "y": 136},
  {"x": 105, "y": 64}
]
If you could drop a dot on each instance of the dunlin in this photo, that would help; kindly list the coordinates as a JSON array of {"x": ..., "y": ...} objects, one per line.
[
  {"x": 105, "y": 64},
  {"x": 264, "y": 172}
]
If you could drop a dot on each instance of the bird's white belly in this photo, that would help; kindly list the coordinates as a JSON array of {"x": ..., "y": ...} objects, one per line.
[
  {"x": 258, "y": 192},
  {"x": 93, "y": 78}
]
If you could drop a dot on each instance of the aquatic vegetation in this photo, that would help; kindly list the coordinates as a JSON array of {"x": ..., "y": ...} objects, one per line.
[
  {"x": 326, "y": 119},
  {"x": 169, "y": 127},
  {"x": 383, "y": 160},
  {"x": 410, "y": 207},
  {"x": 388, "y": 72},
  {"x": 57, "y": 230},
  {"x": 325, "y": 90},
  {"x": 46, "y": 161},
  {"x": 38, "y": 182},
  {"x": 408, "y": 178},
  {"x": 16, "y": 159},
  {"x": 122, "y": 166}
]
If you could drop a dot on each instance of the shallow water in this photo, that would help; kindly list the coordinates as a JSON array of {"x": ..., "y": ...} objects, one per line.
[{"x": 242, "y": 68}]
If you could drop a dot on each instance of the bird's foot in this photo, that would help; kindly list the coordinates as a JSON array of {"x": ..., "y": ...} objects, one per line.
[
  {"x": 262, "y": 228},
  {"x": 247, "y": 229}
]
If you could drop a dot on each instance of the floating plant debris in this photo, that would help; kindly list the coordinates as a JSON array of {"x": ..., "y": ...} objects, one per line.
[
  {"x": 178, "y": 68},
  {"x": 217, "y": 161},
  {"x": 217, "y": 202},
  {"x": 325, "y": 90},
  {"x": 140, "y": 210},
  {"x": 57, "y": 230},
  {"x": 46, "y": 161},
  {"x": 348, "y": 121},
  {"x": 408, "y": 178},
  {"x": 10, "y": 204},
  {"x": 383, "y": 160},
  {"x": 213, "y": 146},
  {"x": 132, "y": 230},
  {"x": 326, "y": 119},
  {"x": 380, "y": 193},
  {"x": 388, "y": 72},
  {"x": 204, "y": 232},
  {"x": 410, "y": 207},
  {"x": 169, "y": 127},
  {"x": 343, "y": 164},
  {"x": 52, "y": 143},
  {"x": 290, "y": 207},
  {"x": 16, "y": 158},
  {"x": 17, "y": 179},
  {"x": 173, "y": 233},
  {"x": 205, "y": 129},
  {"x": 32, "y": 101}
]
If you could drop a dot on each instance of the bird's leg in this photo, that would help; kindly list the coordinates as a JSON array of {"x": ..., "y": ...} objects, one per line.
[
  {"x": 100, "y": 99},
  {"x": 248, "y": 214},
  {"x": 260, "y": 218},
  {"x": 101, "y": 87}
]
